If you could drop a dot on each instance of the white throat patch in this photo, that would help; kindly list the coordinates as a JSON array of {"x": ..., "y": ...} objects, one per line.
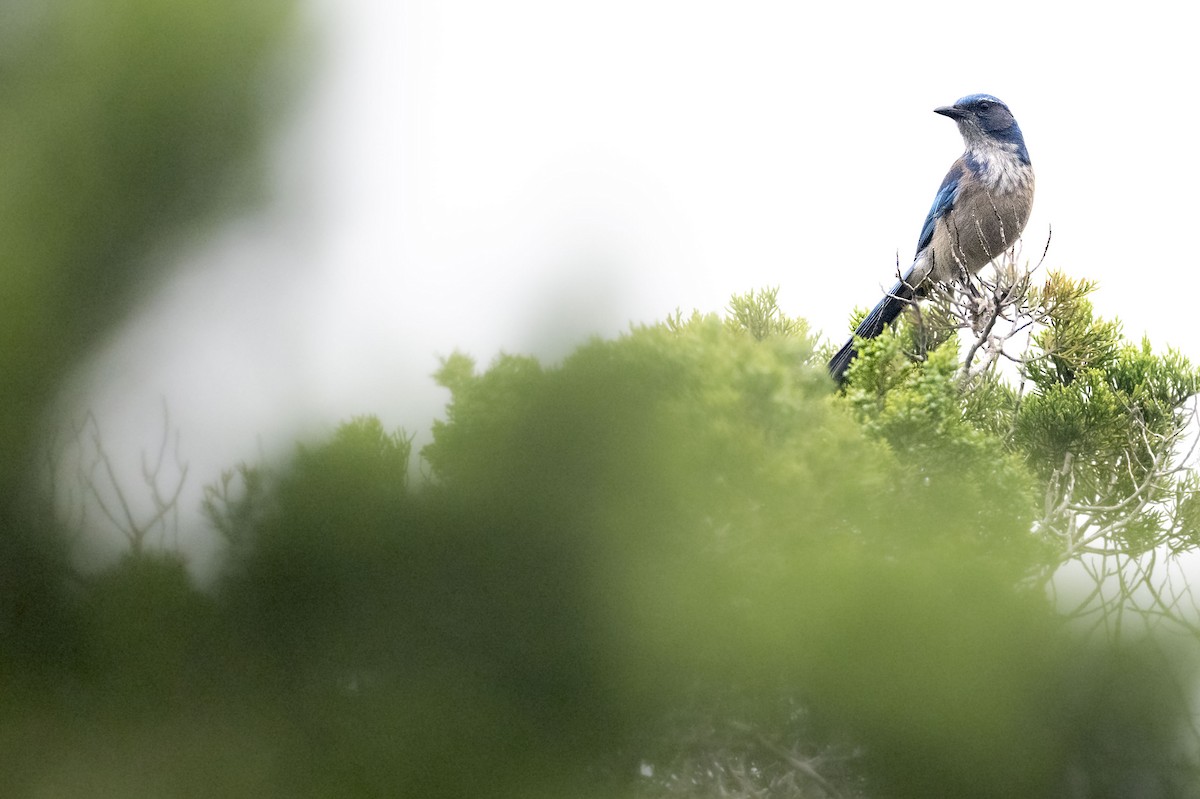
[{"x": 1000, "y": 168}]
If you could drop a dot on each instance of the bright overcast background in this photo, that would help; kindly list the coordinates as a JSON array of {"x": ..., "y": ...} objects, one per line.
[{"x": 486, "y": 177}]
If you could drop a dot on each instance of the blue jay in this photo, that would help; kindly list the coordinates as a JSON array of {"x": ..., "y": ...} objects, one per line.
[{"x": 978, "y": 213}]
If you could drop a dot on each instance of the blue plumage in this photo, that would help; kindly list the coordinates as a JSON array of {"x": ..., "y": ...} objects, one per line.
[{"x": 942, "y": 203}]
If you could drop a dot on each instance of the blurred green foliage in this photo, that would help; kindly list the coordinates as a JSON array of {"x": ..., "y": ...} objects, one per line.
[
  {"x": 677, "y": 539},
  {"x": 682, "y": 523},
  {"x": 124, "y": 127}
]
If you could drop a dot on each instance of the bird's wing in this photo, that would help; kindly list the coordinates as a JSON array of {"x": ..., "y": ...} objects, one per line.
[{"x": 942, "y": 202}]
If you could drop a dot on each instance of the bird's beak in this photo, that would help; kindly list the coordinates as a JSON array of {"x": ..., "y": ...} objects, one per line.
[{"x": 952, "y": 111}]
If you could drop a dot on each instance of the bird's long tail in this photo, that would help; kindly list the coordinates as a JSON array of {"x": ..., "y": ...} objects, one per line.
[{"x": 880, "y": 317}]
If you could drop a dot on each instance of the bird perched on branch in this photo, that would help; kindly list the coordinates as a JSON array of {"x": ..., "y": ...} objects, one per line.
[{"x": 978, "y": 213}]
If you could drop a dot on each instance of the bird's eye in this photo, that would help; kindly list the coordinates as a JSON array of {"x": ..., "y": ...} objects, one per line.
[{"x": 984, "y": 106}]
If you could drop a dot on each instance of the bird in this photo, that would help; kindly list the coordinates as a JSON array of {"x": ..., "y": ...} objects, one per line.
[{"x": 978, "y": 213}]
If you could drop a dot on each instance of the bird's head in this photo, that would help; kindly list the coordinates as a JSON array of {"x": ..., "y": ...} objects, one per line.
[{"x": 985, "y": 120}]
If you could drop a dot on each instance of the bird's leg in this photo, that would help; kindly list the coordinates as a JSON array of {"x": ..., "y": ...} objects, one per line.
[{"x": 967, "y": 281}]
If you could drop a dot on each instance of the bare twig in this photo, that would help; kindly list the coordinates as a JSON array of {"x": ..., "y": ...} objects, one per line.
[{"x": 163, "y": 477}]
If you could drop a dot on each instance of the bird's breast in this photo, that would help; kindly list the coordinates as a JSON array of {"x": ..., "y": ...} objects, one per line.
[{"x": 984, "y": 222}]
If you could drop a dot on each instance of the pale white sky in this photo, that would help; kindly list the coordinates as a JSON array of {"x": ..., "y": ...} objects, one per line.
[{"x": 517, "y": 176}]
